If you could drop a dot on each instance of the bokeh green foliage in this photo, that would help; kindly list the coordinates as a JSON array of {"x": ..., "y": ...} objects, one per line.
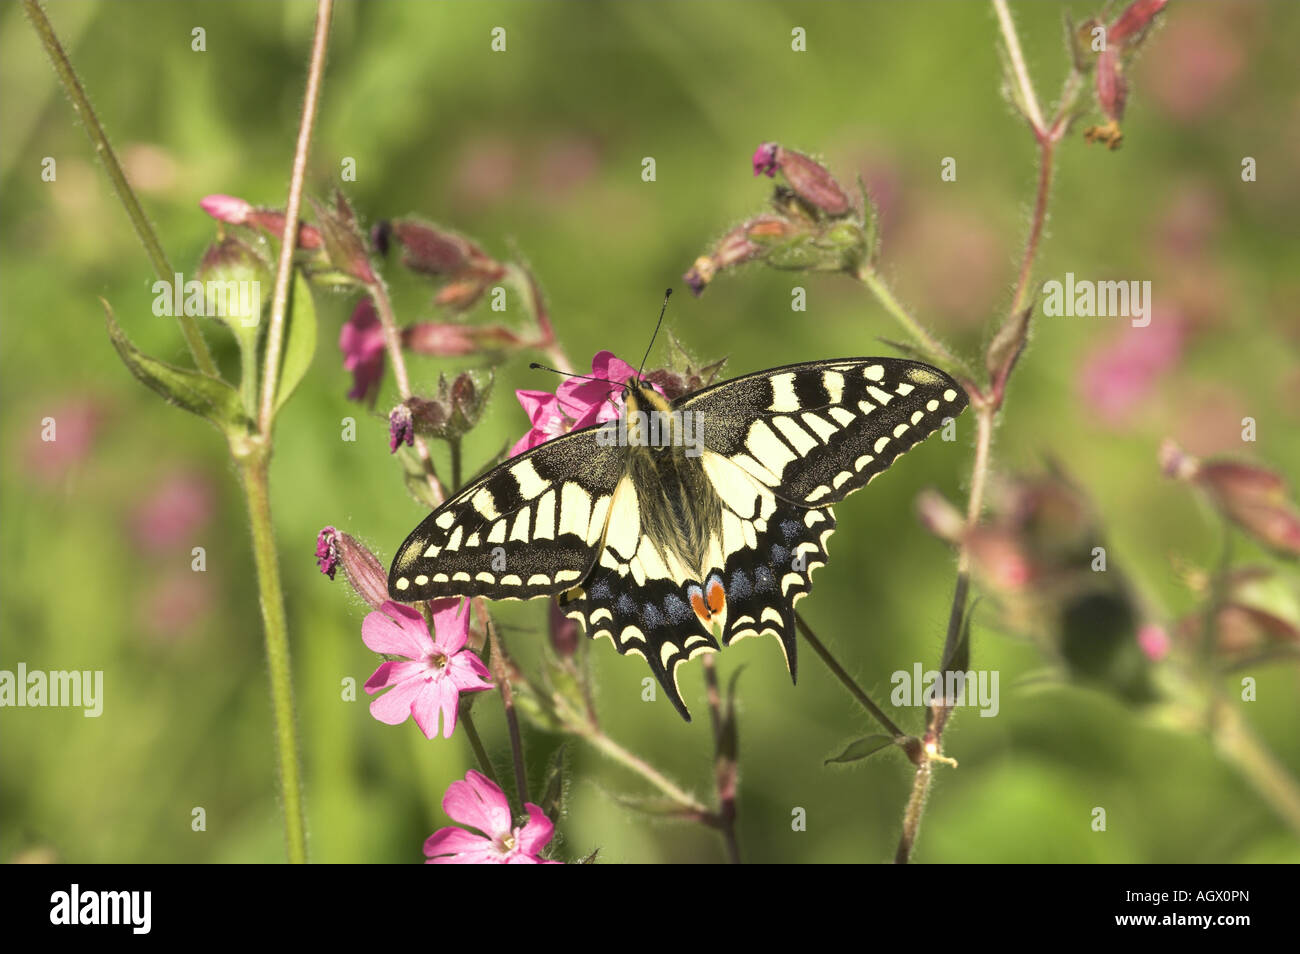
[{"x": 539, "y": 150}]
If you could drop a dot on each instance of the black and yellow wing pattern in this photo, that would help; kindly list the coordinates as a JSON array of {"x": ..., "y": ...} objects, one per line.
[{"x": 711, "y": 534}]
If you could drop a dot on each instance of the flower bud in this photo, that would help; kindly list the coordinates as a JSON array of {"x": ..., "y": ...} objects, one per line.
[
  {"x": 343, "y": 242},
  {"x": 1128, "y": 29},
  {"x": 563, "y": 632},
  {"x": 810, "y": 180},
  {"x": 226, "y": 208},
  {"x": 363, "y": 571},
  {"x": 1253, "y": 498},
  {"x": 939, "y": 516},
  {"x": 401, "y": 428}
]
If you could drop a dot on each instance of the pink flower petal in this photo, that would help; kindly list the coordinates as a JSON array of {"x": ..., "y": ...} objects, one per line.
[
  {"x": 450, "y": 624},
  {"x": 424, "y": 709},
  {"x": 534, "y": 836},
  {"x": 467, "y": 673},
  {"x": 397, "y": 630},
  {"x": 393, "y": 672},
  {"x": 394, "y": 706},
  {"x": 454, "y": 841},
  {"x": 448, "y": 698},
  {"x": 479, "y": 803}
]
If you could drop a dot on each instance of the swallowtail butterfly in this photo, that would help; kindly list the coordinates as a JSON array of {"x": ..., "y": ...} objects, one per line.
[{"x": 686, "y": 522}]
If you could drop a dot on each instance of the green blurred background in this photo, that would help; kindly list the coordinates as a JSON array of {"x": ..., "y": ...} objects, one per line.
[{"x": 539, "y": 149}]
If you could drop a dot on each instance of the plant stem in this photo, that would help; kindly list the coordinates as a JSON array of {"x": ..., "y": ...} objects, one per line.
[
  {"x": 1236, "y": 743},
  {"x": 724, "y": 765},
  {"x": 1018, "y": 67},
  {"x": 289, "y": 240},
  {"x": 254, "y": 472},
  {"x": 476, "y": 743},
  {"x": 609, "y": 747},
  {"x": 928, "y": 342},
  {"x": 501, "y": 674},
  {"x": 125, "y": 194},
  {"x": 986, "y": 411},
  {"x": 842, "y": 675},
  {"x": 393, "y": 345}
]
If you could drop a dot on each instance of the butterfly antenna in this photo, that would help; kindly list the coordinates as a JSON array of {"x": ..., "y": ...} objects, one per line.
[
  {"x": 668, "y": 294},
  {"x": 569, "y": 374}
]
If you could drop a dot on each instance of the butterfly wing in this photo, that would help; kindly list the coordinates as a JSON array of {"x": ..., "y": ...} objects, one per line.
[
  {"x": 813, "y": 433},
  {"x": 636, "y": 596},
  {"x": 531, "y": 527},
  {"x": 780, "y": 447}
]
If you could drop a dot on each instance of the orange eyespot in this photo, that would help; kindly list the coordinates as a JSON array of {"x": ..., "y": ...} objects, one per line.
[
  {"x": 697, "y": 603},
  {"x": 717, "y": 596}
]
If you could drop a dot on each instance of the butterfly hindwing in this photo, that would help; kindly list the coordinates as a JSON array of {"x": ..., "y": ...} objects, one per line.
[
  {"x": 635, "y": 597},
  {"x": 813, "y": 433},
  {"x": 530, "y": 527}
]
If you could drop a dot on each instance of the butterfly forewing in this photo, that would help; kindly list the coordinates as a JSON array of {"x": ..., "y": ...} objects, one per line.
[
  {"x": 813, "y": 433},
  {"x": 531, "y": 527}
]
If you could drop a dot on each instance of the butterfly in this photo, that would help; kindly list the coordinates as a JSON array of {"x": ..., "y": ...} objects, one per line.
[{"x": 682, "y": 522}]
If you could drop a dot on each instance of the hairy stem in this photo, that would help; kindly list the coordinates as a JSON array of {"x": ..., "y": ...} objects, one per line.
[
  {"x": 501, "y": 674},
  {"x": 724, "y": 768},
  {"x": 1018, "y": 68},
  {"x": 986, "y": 410},
  {"x": 842, "y": 675},
  {"x": 125, "y": 194},
  {"x": 289, "y": 240},
  {"x": 254, "y": 473},
  {"x": 476, "y": 743},
  {"x": 393, "y": 345},
  {"x": 928, "y": 342}
]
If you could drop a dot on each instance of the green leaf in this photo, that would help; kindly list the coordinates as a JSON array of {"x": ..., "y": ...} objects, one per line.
[
  {"x": 863, "y": 748},
  {"x": 300, "y": 340},
  {"x": 202, "y": 394},
  {"x": 553, "y": 788}
]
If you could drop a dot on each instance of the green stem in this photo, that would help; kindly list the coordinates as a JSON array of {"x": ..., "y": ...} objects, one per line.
[
  {"x": 125, "y": 194},
  {"x": 254, "y": 472},
  {"x": 929, "y": 343},
  {"x": 476, "y": 743},
  {"x": 289, "y": 240},
  {"x": 609, "y": 747},
  {"x": 845, "y": 679}
]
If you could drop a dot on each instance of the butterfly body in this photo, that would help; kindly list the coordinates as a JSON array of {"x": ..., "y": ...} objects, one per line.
[{"x": 683, "y": 522}]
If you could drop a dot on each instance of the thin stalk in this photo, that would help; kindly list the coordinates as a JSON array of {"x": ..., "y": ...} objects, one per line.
[
  {"x": 724, "y": 766},
  {"x": 476, "y": 743},
  {"x": 502, "y": 676},
  {"x": 928, "y": 342},
  {"x": 609, "y": 747},
  {"x": 125, "y": 194},
  {"x": 253, "y": 471},
  {"x": 842, "y": 675},
  {"x": 1018, "y": 67},
  {"x": 289, "y": 240},
  {"x": 393, "y": 345}
]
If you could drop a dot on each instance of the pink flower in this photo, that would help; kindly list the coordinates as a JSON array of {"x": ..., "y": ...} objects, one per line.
[
  {"x": 576, "y": 403},
  {"x": 1117, "y": 377},
  {"x": 479, "y": 803},
  {"x": 1154, "y": 641},
  {"x": 433, "y": 671},
  {"x": 362, "y": 344},
  {"x": 226, "y": 208},
  {"x": 175, "y": 511}
]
